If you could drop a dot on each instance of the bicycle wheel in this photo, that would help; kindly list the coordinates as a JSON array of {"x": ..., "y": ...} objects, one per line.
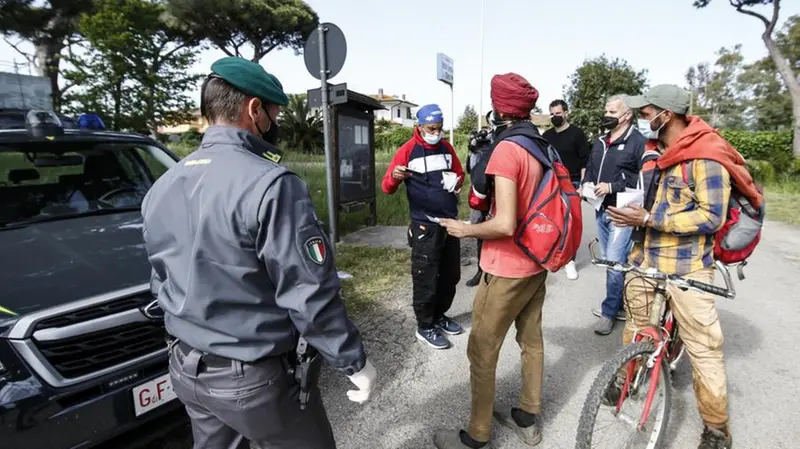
[{"x": 594, "y": 410}]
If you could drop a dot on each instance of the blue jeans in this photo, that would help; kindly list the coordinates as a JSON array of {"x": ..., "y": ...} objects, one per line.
[{"x": 615, "y": 243}]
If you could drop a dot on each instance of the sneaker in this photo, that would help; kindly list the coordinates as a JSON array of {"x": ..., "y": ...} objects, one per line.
[
  {"x": 572, "y": 271},
  {"x": 715, "y": 439},
  {"x": 531, "y": 435},
  {"x": 448, "y": 326},
  {"x": 433, "y": 337},
  {"x": 604, "y": 326},
  {"x": 451, "y": 439},
  {"x": 621, "y": 315},
  {"x": 475, "y": 280}
]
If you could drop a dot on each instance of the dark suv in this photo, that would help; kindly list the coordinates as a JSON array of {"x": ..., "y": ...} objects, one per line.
[{"x": 82, "y": 350}]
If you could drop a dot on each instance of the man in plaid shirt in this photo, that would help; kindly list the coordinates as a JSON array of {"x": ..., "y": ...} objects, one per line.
[{"x": 679, "y": 239}]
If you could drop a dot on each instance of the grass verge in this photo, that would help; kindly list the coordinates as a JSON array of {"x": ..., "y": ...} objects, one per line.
[
  {"x": 375, "y": 271},
  {"x": 392, "y": 209},
  {"x": 782, "y": 200}
]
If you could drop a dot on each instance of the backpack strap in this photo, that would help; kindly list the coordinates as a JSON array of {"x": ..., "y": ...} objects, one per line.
[{"x": 534, "y": 148}]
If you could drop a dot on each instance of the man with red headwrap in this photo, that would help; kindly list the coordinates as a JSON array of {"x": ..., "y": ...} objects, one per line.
[{"x": 512, "y": 289}]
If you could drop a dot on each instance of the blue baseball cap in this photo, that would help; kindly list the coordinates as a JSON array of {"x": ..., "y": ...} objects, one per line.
[{"x": 429, "y": 114}]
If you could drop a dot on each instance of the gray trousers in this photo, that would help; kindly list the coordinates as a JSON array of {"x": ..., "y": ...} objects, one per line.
[{"x": 229, "y": 405}]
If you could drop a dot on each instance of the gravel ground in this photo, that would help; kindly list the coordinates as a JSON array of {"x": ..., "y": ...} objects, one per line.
[{"x": 421, "y": 389}]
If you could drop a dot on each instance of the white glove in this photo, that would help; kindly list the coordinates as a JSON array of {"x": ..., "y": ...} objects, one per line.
[
  {"x": 449, "y": 181},
  {"x": 364, "y": 380}
]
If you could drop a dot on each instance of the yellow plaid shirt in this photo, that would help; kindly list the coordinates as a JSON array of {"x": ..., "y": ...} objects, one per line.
[{"x": 680, "y": 238}]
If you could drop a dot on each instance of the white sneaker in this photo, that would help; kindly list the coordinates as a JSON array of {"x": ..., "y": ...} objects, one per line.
[{"x": 572, "y": 271}]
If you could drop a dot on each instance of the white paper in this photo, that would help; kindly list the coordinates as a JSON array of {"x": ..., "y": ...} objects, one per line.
[
  {"x": 588, "y": 193},
  {"x": 630, "y": 196},
  {"x": 433, "y": 219},
  {"x": 364, "y": 135},
  {"x": 343, "y": 275},
  {"x": 449, "y": 181}
]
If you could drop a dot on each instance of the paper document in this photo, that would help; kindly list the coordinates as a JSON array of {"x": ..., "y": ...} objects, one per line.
[
  {"x": 630, "y": 196},
  {"x": 587, "y": 192}
]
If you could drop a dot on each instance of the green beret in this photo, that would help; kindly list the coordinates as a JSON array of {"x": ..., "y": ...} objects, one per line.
[{"x": 251, "y": 78}]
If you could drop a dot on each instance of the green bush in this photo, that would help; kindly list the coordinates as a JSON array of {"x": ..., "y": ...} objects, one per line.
[
  {"x": 774, "y": 147},
  {"x": 392, "y": 139},
  {"x": 763, "y": 171}
]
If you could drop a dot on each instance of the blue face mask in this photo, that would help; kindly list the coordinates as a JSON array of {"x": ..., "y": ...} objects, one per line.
[{"x": 644, "y": 127}]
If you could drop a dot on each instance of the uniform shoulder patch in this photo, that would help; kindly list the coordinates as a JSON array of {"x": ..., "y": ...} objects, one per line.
[{"x": 315, "y": 250}]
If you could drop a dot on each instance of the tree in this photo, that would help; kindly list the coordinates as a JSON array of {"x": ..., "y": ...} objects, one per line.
[
  {"x": 596, "y": 80},
  {"x": 788, "y": 68},
  {"x": 231, "y": 24},
  {"x": 717, "y": 94},
  {"x": 301, "y": 128},
  {"x": 135, "y": 66},
  {"x": 49, "y": 26},
  {"x": 468, "y": 121}
]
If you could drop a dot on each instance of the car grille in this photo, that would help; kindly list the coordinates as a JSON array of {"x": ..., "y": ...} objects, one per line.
[
  {"x": 98, "y": 311},
  {"x": 88, "y": 353}
]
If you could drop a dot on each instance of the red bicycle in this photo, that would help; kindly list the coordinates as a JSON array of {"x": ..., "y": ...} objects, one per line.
[{"x": 647, "y": 363}]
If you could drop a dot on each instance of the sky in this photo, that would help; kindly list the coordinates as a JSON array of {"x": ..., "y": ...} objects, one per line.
[{"x": 393, "y": 45}]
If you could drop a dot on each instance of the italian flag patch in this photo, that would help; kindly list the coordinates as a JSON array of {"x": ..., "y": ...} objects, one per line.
[{"x": 315, "y": 248}]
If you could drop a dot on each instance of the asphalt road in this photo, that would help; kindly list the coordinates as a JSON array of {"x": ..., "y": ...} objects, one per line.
[{"x": 422, "y": 389}]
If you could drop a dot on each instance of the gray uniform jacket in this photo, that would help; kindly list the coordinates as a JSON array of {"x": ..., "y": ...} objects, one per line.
[{"x": 240, "y": 263}]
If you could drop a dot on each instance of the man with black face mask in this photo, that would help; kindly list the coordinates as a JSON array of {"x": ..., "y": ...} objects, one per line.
[
  {"x": 573, "y": 147},
  {"x": 612, "y": 167},
  {"x": 241, "y": 271}
]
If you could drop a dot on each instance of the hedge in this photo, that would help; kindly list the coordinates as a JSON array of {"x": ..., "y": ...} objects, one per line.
[
  {"x": 774, "y": 147},
  {"x": 394, "y": 138}
]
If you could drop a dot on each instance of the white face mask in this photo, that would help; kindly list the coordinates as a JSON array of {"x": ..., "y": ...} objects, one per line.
[{"x": 431, "y": 139}]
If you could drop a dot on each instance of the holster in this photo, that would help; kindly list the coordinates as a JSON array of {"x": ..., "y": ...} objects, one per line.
[{"x": 306, "y": 367}]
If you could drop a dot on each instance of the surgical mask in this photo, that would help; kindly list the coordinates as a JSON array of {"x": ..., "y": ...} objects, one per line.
[
  {"x": 646, "y": 127},
  {"x": 557, "y": 120},
  {"x": 431, "y": 139},
  {"x": 497, "y": 123}
]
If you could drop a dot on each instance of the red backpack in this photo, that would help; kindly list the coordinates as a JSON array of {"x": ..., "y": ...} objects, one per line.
[
  {"x": 739, "y": 235},
  {"x": 551, "y": 230}
]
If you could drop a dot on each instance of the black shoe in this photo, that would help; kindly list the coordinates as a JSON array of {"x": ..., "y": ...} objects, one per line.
[
  {"x": 433, "y": 337},
  {"x": 714, "y": 439},
  {"x": 448, "y": 326},
  {"x": 475, "y": 280}
]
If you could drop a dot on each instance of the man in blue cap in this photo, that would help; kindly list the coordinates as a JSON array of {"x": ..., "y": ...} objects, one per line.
[
  {"x": 432, "y": 173},
  {"x": 242, "y": 269}
]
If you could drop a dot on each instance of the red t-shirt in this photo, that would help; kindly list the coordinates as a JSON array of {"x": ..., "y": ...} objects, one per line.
[{"x": 502, "y": 257}]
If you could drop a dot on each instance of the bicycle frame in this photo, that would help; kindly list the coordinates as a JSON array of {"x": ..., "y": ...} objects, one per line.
[{"x": 661, "y": 335}]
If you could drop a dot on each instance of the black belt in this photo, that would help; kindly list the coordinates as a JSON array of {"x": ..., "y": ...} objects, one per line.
[
  {"x": 216, "y": 361},
  {"x": 210, "y": 360}
]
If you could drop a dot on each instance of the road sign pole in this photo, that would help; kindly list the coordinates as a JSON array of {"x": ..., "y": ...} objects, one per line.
[
  {"x": 452, "y": 116},
  {"x": 326, "y": 127}
]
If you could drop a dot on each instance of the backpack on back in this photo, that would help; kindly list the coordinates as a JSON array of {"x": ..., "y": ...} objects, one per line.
[
  {"x": 551, "y": 229},
  {"x": 740, "y": 234}
]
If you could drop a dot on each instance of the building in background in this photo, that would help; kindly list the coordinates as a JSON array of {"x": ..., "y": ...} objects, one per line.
[
  {"x": 542, "y": 122},
  {"x": 398, "y": 109},
  {"x": 197, "y": 122}
]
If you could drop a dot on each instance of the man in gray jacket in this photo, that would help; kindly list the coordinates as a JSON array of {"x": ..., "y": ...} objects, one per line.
[{"x": 242, "y": 270}]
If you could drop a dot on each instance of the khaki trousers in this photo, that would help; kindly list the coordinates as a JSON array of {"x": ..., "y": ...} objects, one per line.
[
  {"x": 499, "y": 302},
  {"x": 700, "y": 330}
]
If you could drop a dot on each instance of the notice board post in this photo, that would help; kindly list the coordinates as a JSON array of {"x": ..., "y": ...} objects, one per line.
[{"x": 352, "y": 150}]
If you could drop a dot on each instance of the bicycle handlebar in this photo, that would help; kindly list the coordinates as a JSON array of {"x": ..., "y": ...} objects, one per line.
[{"x": 728, "y": 292}]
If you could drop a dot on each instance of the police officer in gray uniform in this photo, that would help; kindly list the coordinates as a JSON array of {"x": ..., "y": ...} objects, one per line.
[{"x": 242, "y": 270}]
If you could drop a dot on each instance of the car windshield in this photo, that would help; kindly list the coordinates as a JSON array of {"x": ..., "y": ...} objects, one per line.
[{"x": 50, "y": 181}]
